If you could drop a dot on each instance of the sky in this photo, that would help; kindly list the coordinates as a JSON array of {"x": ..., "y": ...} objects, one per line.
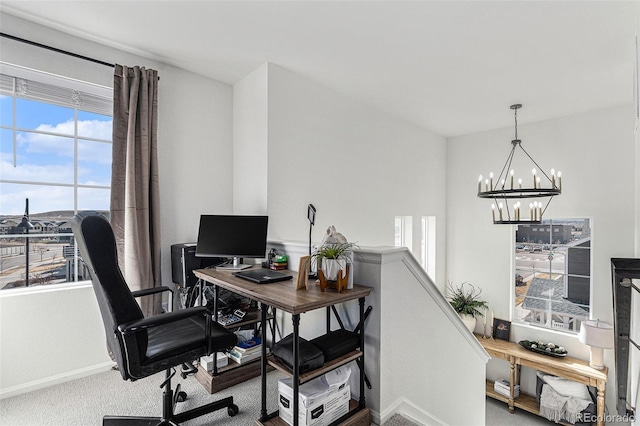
[{"x": 44, "y": 152}]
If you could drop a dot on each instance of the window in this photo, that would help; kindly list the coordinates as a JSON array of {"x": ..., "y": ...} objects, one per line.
[
  {"x": 553, "y": 274},
  {"x": 403, "y": 232},
  {"x": 426, "y": 251},
  {"x": 428, "y": 245},
  {"x": 55, "y": 151}
]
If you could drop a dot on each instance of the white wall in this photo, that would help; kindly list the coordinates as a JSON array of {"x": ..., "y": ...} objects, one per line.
[
  {"x": 195, "y": 163},
  {"x": 358, "y": 166},
  {"x": 49, "y": 336},
  {"x": 251, "y": 143},
  {"x": 429, "y": 362},
  {"x": 595, "y": 153}
]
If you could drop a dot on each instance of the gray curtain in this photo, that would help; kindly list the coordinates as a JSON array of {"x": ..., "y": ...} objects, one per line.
[{"x": 135, "y": 207}]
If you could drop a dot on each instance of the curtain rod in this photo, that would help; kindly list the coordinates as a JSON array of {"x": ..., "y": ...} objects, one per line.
[{"x": 44, "y": 46}]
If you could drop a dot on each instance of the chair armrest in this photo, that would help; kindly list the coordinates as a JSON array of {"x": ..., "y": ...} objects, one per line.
[
  {"x": 156, "y": 320},
  {"x": 152, "y": 290}
]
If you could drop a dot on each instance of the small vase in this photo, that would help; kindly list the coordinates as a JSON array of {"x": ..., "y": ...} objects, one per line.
[
  {"x": 332, "y": 267},
  {"x": 469, "y": 321}
]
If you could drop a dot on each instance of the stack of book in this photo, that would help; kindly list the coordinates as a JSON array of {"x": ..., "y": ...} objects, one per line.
[
  {"x": 502, "y": 387},
  {"x": 277, "y": 266},
  {"x": 246, "y": 351}
]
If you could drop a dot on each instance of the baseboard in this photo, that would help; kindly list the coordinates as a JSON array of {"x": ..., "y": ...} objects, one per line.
[
  {"x": 54, "y": 380},
  {"x": 410, "y": 411}
]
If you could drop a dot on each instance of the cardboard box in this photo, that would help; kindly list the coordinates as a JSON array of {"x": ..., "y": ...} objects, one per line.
[
  {"x": 322, "y": 400},
  {"x": 321, "y": 412}
]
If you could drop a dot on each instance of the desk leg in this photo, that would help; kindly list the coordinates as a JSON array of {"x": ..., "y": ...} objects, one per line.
[
  {"x": 296, "y": 366},
  {"x": 600, "y": 402},
  {"x": 362, "y": 402},
  {"x": 263, "y": 325},
  {"x": 512, "y": 381},
  {"x": 215, "y": 319}
]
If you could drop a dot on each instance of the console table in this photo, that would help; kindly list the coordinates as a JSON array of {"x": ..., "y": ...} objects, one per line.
[
  {"x": 283, "y": 295},
  {"x": 567, "y": 367}
]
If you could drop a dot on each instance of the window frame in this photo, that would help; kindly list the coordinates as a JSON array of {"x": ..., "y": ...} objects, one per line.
[
  {"x": 99, "y": 101},
  {"x": 552, "y": 325}
]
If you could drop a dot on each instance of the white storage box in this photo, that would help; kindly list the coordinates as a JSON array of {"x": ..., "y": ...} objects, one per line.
[
  {"x": 322, "y": 400},
  {"x": 207, "y": 361},
  {"x": 321, "y": 412}
]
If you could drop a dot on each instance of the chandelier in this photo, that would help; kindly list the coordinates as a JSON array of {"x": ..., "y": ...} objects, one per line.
[{"x": 507, "y": 194}]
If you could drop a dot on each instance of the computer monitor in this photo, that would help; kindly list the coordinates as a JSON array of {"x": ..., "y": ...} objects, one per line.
[{"x": 232, "y": 236}]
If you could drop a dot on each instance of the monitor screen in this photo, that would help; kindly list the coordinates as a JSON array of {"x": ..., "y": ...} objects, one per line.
[{"x": 232, "y": 236}]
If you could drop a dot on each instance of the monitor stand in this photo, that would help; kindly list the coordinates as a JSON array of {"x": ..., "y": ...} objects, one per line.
[{"x": 235, "y": 265}]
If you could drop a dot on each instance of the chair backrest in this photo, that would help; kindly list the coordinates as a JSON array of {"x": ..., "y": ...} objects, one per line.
[{"x": 97, "y": 245}]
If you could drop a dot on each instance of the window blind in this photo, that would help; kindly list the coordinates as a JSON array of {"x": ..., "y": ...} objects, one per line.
[{"x": 55, "y": 94}]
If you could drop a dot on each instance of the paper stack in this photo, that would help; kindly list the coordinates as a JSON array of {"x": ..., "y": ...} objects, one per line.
[{"x": 502, "y": 387}]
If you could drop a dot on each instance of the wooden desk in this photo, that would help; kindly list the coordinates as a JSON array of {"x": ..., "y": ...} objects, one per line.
[
  {"x": 567, "y": 367},
  {"x": 282, "y": 295}
]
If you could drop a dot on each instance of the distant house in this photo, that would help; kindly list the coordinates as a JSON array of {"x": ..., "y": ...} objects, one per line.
[{"x": 8, "y": 225}]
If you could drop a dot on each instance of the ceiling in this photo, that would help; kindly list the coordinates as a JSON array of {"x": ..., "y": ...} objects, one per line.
[{"x": 453, "y": 67}]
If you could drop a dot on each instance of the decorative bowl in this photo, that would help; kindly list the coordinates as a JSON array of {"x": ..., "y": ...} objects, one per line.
[{"x": 549, "y": 348}]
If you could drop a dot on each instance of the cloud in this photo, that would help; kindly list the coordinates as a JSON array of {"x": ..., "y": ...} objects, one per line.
[
  {"x": 41, "y": 198},
  {"x": 62, "y": 146},
  {"x": 36, "y": 173}
]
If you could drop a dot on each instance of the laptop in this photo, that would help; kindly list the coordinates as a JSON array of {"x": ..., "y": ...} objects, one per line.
[{"x": 262, "y": 275}]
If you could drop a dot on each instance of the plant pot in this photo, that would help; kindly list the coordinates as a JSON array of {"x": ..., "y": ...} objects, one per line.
[
  {"x": 332, "y": 267},
  {"x": 469, "y": 321}
]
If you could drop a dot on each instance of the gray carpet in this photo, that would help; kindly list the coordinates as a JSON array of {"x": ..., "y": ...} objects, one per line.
[{"x": 84, "y": 402}]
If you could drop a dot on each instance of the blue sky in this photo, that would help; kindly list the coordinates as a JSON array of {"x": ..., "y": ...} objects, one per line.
[{"x": 47, "y": 155}]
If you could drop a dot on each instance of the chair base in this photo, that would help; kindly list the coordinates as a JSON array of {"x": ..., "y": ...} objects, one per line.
[{"x": 174, "y": 419}]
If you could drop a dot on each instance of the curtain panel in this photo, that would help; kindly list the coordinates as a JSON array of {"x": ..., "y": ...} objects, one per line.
[{"x": 135, "y": 207}]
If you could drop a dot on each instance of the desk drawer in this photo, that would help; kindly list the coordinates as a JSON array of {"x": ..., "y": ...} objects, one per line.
[{"x": 498, "y": 355}]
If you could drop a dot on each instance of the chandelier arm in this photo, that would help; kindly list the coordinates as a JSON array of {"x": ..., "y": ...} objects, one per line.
[
  {"x": 547, "y": 205},
  {"x": 534, "y": 162},
  {"x": 506, "y": 166}
]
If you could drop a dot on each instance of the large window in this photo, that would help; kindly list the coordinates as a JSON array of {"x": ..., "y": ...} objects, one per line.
[
  {"x": 55, "y": 151},
  {"x": 553, "y": 273}
]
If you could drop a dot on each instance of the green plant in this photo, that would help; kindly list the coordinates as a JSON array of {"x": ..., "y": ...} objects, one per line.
[
  {"x": 466, "y": 300},
  {"x": 332, "y": 251}
]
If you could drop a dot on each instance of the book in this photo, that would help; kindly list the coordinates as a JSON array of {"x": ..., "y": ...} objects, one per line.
[
  {"x": 503, "y": 384},
  {"x": 242, "y": 358},
  {"x": 249, "y": 345},
  {"x": 506, "y": 392},
  {"x": 502, "y": 387}
]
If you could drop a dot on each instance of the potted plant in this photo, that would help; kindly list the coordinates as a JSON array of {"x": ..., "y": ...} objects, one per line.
[
  {"x": 465, "y": 300},
  {"x": 331, "y": 258}
]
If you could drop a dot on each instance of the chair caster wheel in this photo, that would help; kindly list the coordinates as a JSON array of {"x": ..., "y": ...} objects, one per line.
[
  {"x": 232, "y": 410},
  {"x": 181, "y": 397}
]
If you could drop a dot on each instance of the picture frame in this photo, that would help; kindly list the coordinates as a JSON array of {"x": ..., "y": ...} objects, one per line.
[
  {"x": 501, "y": 329},
  {"x": 303, "y": 273}
]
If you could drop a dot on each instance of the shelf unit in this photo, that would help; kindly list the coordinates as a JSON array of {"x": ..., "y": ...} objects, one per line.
[
  {"x": 241, "y": 372},
  {"x": 283, "y": 295},
  {"x": 361, "y": 418},
  {"x": 328, "y": 366},
  {"x": 571, "y": 368}
]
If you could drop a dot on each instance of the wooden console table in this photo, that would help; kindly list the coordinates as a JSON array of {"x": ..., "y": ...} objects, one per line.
[{"x": 567, "y": 367}]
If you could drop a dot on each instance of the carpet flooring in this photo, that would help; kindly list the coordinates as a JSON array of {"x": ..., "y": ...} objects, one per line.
[{"x": 85, "y": 401}]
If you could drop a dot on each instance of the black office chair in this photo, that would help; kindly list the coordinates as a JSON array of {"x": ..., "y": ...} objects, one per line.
[{"x": 144, "y": 346}]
